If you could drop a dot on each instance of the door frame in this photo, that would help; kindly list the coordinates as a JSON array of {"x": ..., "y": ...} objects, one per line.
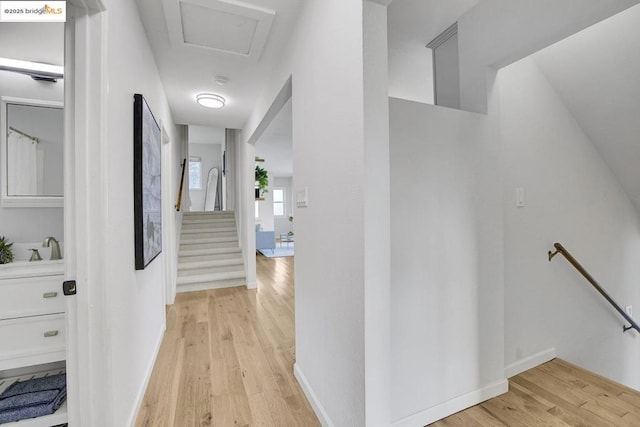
[
  {"x": 168, "y": 225},
  {"x": 88, "y": 370}
]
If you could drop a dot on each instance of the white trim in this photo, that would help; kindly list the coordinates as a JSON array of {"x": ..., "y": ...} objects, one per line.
[
  {"x": 169, "y": 260},
  {"x": 88, "y": 364},
  {"x": 252, "y": 285},
  {"x": 147, "y": 377},
  {"x": 317, "y": 407},
  {"x": 454, "y": 405},
  {"x": 529, "y": 362},
  {"x": 444, "y": 36},
  {"x": 282, "y": 98}
]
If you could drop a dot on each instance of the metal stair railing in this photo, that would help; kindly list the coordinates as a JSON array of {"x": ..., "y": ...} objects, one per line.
[{"x": 562, "y": 251}]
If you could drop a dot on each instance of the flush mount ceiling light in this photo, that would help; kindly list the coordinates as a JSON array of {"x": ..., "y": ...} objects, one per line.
[
  {"x": 210, "y": 100},
  {"x": 37, "y": 70}
]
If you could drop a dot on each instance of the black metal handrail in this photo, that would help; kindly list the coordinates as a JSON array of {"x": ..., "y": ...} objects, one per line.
[{"x": 561, "y": 250}]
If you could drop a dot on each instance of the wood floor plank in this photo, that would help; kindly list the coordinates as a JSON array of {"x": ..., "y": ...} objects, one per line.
[
  {"x": 510, "y": 410},
  {"x": 227, "y": 358},
  {"x": 566, "y": 410},
  {"x": 594, "y": 378},
  {"x": 556, "y": 393}
]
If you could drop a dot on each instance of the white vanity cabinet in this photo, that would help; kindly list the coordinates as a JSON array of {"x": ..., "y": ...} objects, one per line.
[{"x": 32, "y": 326}]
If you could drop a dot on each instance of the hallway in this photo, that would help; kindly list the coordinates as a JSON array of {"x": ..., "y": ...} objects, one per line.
[{"x": 227, "y": 357}]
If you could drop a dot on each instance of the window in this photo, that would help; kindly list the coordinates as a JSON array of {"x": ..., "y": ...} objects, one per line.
[
  {"x": 195, "y": 173},
  {"x": 278, "y": 202}
]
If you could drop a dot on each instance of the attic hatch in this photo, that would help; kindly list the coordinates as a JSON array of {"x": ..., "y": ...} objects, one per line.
[{"x": 228, "y": 27}]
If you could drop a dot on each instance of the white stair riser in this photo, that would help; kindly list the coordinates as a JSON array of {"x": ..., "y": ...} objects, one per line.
[
  {"x": 214, "y": 230},
  {"x": 193, "y": 265},
  {"x": 201, "y": 240},
  {"x": 211, "y": 285},
  {"x": 212, "y": 257},
  {"x": 209, "y": 213},
  {"x": 198, "y": 240},
  {"x": 208, "y": 221},
  {"x": 231, "y": 269},
  {"x": 210, "y": 277},
  {"x": 206, "y": 252},
  {"x": 203, "y": 246}
]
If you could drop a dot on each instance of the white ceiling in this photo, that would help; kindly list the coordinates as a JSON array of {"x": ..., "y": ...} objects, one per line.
[
  {"x": 275, "y": 145},
  {"x": 186, "y": 70},
  {"x": 596, "y": 73},
  {"x": 417, "y": 22},
  {"x": 411, "y": 25}
]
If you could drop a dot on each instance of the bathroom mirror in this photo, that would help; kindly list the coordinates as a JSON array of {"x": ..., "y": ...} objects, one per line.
[{"x": 31, "y": 152}]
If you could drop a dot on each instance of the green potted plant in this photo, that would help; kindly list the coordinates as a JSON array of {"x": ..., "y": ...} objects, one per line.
[
  {"x": 290, "y": 233},
  {"x": 262, "y": 181},
  {"x": 6, "y": 254}
]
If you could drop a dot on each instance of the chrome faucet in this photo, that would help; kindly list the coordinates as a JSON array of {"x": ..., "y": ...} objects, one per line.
[{"x": 55, "y": 247}]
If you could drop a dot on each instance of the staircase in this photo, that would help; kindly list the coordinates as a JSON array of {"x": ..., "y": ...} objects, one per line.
[{"x": 209, "y": 256}]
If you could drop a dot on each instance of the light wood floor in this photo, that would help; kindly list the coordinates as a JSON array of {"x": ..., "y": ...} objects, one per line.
[
  {"x": 555, "y": 394},
  {"x": 227, "y": 358}
]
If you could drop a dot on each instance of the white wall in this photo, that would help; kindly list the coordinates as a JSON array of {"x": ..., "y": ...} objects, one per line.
[
  {"x": 211, "y": 157},
  {"x": 30, "y": 224},
  {"x": 324, "y": 59},
  {"x": 281, "y": 223},
  {"x": 265, "y": 209},
  {"x": 493, "y": 34},
  {"x": 411, "y": 72},
  {"x": 446, "y": 261},
  {"x": 377, "y": 216},
  {"x": 135, "y": 299},
  {"x": 573, "y": 198}
]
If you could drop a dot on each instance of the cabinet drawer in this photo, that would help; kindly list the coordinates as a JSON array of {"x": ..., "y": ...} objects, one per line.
[
  {"x": 38, "y": 335},
  {"x": 31, "y": 296}
]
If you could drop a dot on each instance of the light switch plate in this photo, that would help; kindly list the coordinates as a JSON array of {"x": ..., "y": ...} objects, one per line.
[
  {"x": 302, "y": 198},
  {"x": 520, "y": 197}
]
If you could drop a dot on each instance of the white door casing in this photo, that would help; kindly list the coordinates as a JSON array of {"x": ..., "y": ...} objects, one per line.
[{"x": 89, "y": 399}]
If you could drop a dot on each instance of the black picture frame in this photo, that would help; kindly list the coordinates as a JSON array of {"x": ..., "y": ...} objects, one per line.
[{"x": 147, "y": 188}]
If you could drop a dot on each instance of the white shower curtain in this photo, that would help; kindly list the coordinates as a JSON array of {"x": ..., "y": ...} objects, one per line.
[{"x": 22, "y": 165}]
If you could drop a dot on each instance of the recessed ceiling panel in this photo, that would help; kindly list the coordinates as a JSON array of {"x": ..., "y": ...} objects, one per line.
[
  {"x": 224, "y": 26},
  {"x": 215, "y": 29}
]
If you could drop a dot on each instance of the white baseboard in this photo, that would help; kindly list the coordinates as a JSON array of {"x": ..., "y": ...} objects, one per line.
[
  {"x": 252, "y": 285},
  {"x": 529, "y": 362},
  {"x": 319, "y": 410},
  {"x": 147, "y": 377},
  {"x": 454, "y": 405}
]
